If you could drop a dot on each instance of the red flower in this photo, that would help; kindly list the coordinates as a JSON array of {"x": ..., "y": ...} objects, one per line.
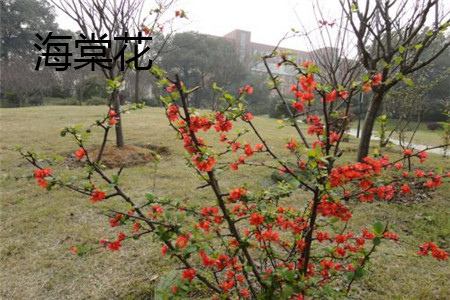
[
  {"x": 223, "y": 138},
  {"x": 259, "y": 147},
  {"x": 366, "y": 87},
  {"x": 113, "y": 121},
  {"x": 308, "y": 84},
  {"x": 306, "y": 97},
  {"x": 177, "y": 13},
  {"x": 331, "y": 96},
  {"x": 391, "y": 235},
  {"x": 298, "y": 106},
  {"x": 222, "y": 124},
  {"x": 423, "y": 156},
  {"x": 244, "y": 293},
  {"x": 256, "y": 219},
  {"x": 116, "y": 221},
  {"x": 248, "y": 150},
  {"x": 115, "y": 246},
  {"x": 343, "y": 94},
  {"x": 182, "y": 241},
  {"x": 419, "y": 173},
  {"x": 203, "y": 166},
  {"x": 321, "y": 236},
  {"x": 174, "y": 289},
  {"x": 111, "y": 113},
  {"x": 368, "y": 235},
  {"x": 79, "y": 154},
  {"x": 97, "y": 195},
  {"x": 74, "y": 250},
  {"x": 307, "y": 63},
  {"x": 136, "y": 226},
  {"x": 189, "y": 274},
  {"x": 407, "y": 152},
  {"x": 398, "y": 166},
  {"x": 435, "y": 251},
  {"x": 247, "y": 117},
  {"x": 164, "y": 249},
  {"x": 405, "y": 189},
  {"x": 291, "y": 145},
  {"x": 238, "y": 193},
  {"x": 376, "y": 79},
  {"x": 340, "y": 239},
  {"x": 173, "y": 112},
  {"x": 42, "y": 173},
  {"x": 248, "y": 89}
]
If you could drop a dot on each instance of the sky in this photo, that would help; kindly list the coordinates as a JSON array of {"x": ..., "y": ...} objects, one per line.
[{"x": 268, "y": 20}]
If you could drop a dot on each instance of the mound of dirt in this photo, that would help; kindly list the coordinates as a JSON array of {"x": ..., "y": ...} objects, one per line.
[{"x": 126, "y": 156}]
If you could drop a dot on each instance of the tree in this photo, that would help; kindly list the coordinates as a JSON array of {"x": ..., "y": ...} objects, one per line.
[
  {"x": 114, "y": 18},
  {"x": 392, "y": 37},
  {"x": 20, "y": 21},
  {"x": 202, "y": 60}
]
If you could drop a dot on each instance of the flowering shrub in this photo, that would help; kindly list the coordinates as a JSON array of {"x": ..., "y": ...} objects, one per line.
[{"x": 246, "y": 244}]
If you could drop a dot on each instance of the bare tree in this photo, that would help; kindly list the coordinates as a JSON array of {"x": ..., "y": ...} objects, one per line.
[
  {"x": 392, "y": 36},
  {"x": 114, "y": 18}
]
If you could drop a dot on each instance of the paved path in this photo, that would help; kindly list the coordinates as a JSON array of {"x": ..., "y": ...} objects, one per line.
[{"x": 397, "y": 142}]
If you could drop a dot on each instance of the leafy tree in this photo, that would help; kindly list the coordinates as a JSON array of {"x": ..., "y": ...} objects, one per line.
[
  {"x": 202, "y": 60},
  {"x": 20, "y": 21},
  {"x": 392, "y": 39}
]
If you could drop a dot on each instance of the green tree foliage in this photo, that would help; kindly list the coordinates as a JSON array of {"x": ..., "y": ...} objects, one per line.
[
  {"x": 203, "y": 60},
  {"x": 20, "y": 21}
]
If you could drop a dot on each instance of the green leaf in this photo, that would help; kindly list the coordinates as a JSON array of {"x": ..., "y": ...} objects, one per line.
[
  {"x": 150, "y": 197},
  {"x": 408, "y": 81},
  {"x": 418, "y": 46},
  {"x": 378, "y": 228},
  {"x": 401, "y": 49},
  {"x": 399, "y": 76},
  {"x": 398, "y": 59}
]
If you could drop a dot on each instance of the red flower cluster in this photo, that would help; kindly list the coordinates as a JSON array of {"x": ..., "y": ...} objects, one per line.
[
  {"x": 237, "y": 194},
  {"x": 291, "y": 145},
  {"x": 307, "y": 83},
  {"x": 222, "y": 124},
  {"x": 115, "y": 245},
  {"x": 197, "y": 123},
  {"x": 173, "y": 112},
  {"x": 437, "y": 253},
  {"x": 40, "y": 175},
  {"x": 338, "y": 210},
  {"x": 204, "y": 163},
  {"x": 114, "y": 222},
  {"x": 316, "y": 127},
  {"x": 189, "y": 274},
  {"x": 112, "y": 117},
  {"x": 97, "y": 195}
]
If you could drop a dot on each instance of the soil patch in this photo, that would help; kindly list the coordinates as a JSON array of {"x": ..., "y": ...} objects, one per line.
[{"x": 126, "y": 156}]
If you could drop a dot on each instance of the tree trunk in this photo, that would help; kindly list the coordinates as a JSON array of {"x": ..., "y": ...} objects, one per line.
[
  {"x": 369, "y": 122},
  {"x": 136, "y": 86},
  {"x": 119, "y": 133}
]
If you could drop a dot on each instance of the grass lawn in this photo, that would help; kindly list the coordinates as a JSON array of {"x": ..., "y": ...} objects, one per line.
[{"x": 39, "y": 228}]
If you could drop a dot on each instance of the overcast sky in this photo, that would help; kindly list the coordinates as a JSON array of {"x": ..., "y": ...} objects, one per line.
[{"x": 268, "y": 20}]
